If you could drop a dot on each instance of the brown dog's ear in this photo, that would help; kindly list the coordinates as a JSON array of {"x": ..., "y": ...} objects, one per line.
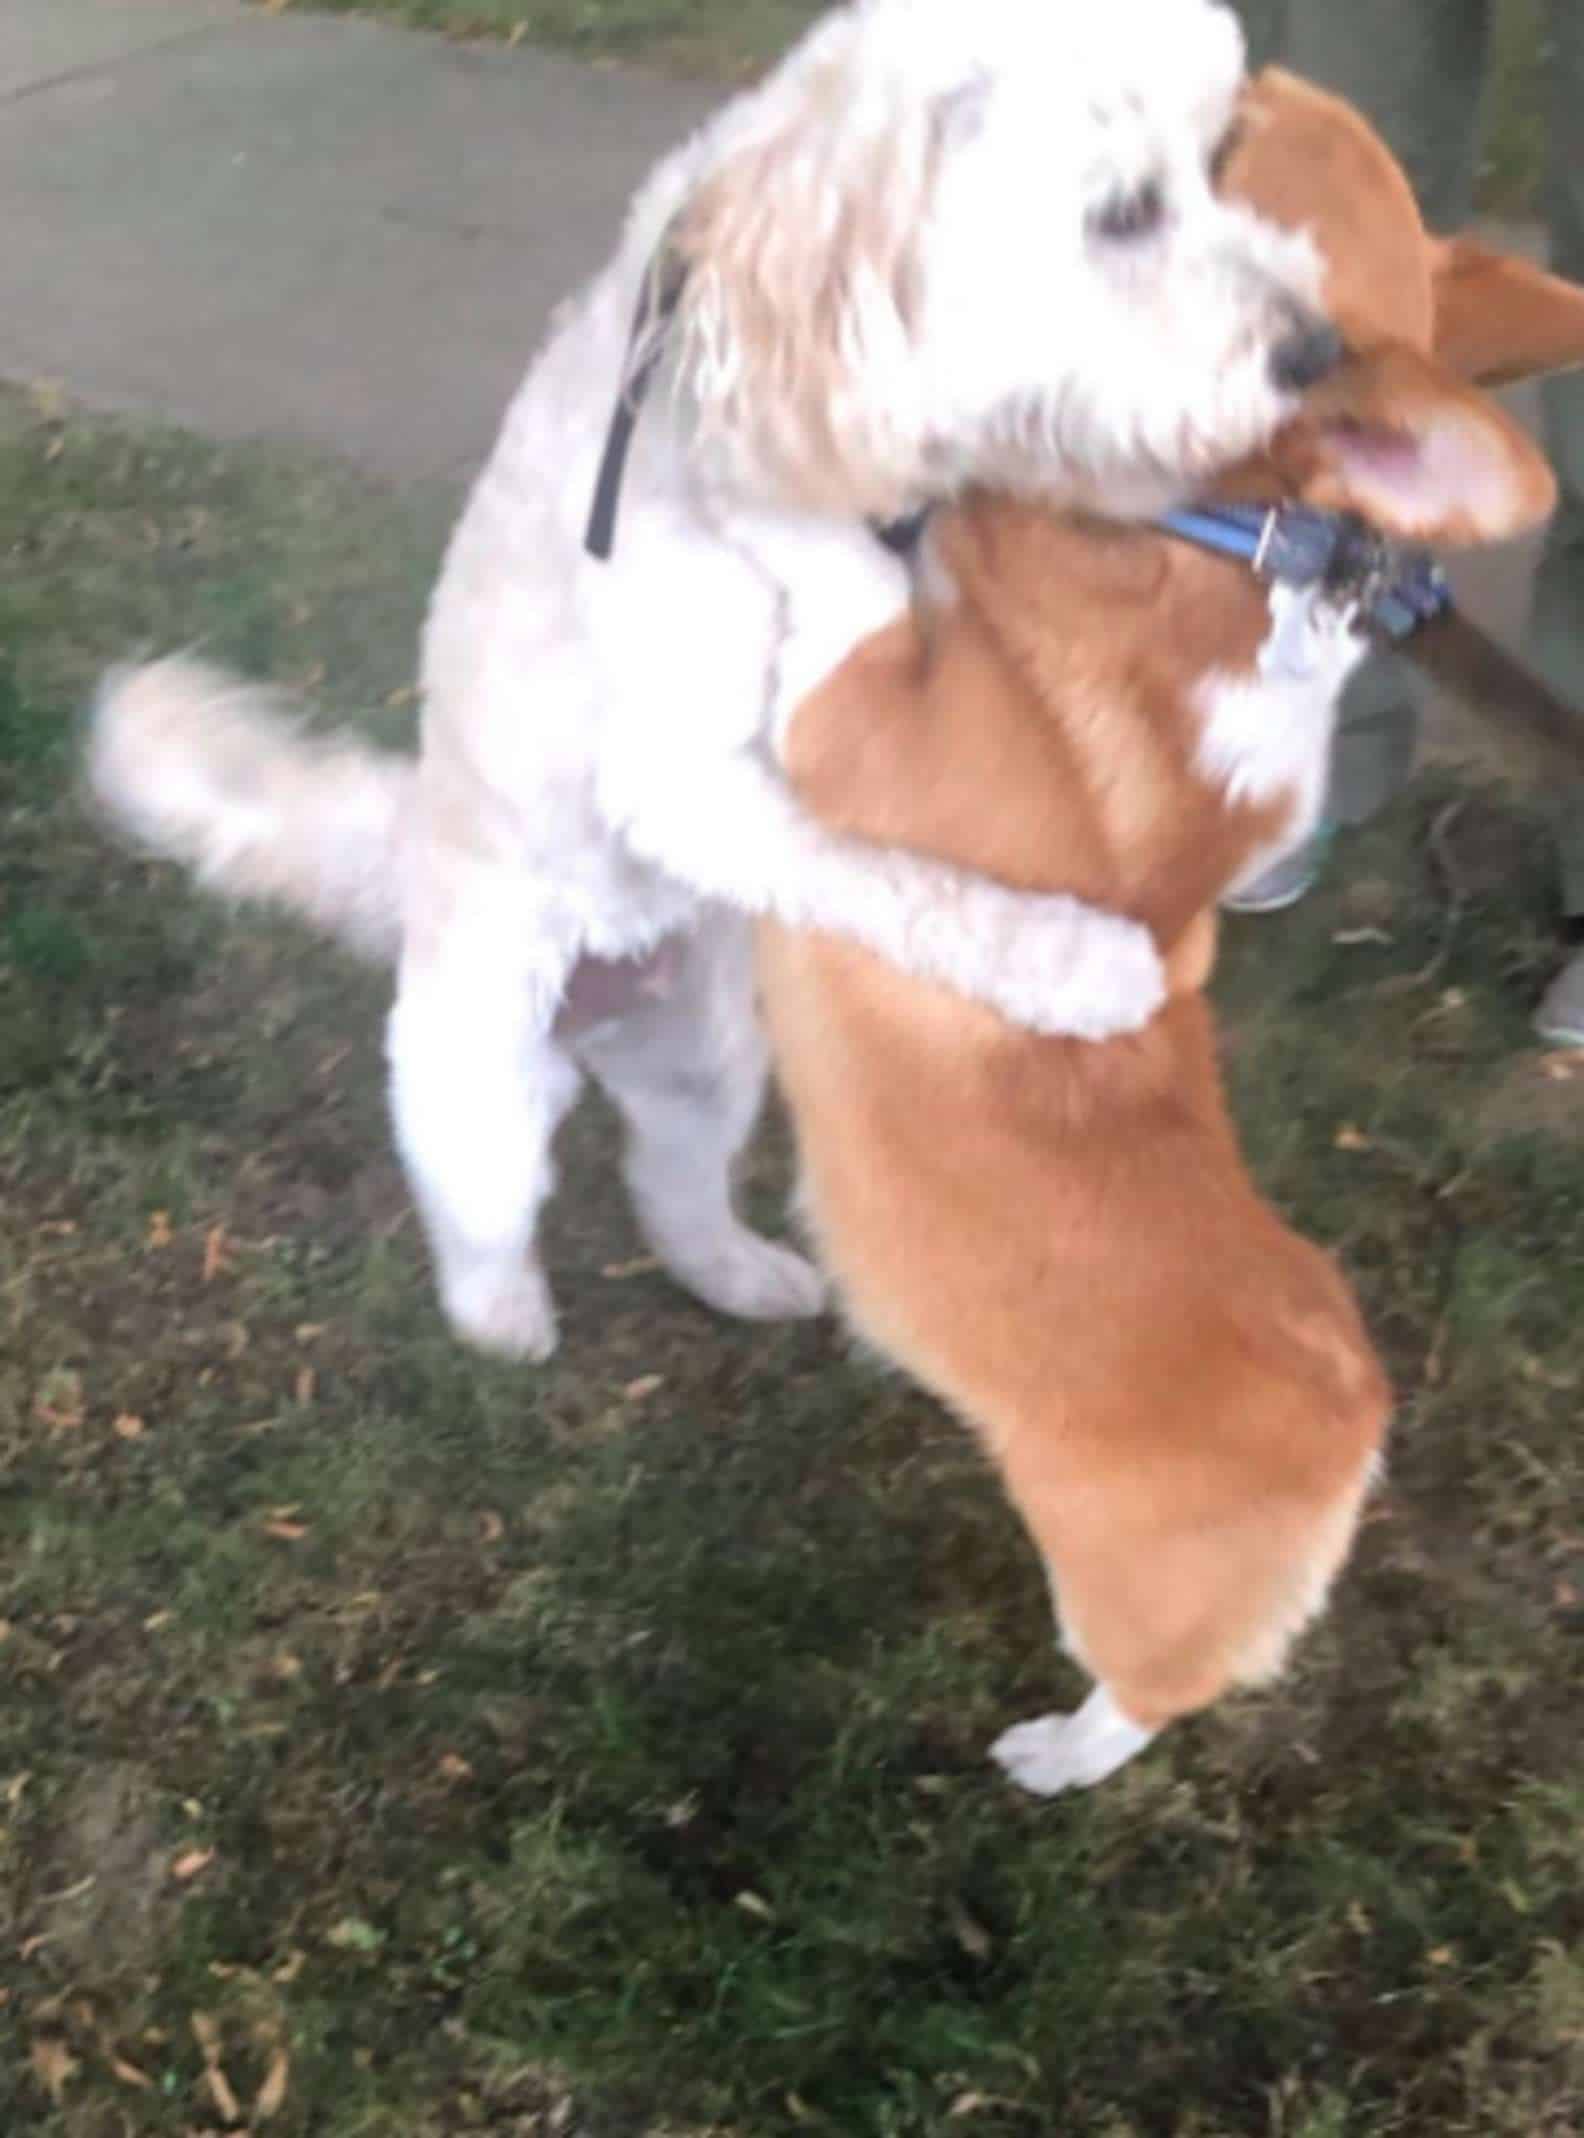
[
  {"x": 1395, "y": 437},
  {"x": 1498, "y": 320}
]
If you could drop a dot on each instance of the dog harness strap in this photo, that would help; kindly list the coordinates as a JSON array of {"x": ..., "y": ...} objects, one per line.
[
  {"x": 663, "y": 283},
  {"x": 902, "y": 537}
]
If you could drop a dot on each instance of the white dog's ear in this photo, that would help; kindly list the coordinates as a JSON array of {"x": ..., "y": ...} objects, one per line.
[
  {"x": 804, "y": 255},
  {"x": 959, "y": 115}
]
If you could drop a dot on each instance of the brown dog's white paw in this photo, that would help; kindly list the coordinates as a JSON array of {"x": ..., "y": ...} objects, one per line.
[{"x": 1057, "y": 1752}]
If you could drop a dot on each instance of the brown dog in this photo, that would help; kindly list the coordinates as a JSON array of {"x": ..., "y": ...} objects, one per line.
[{"x": 1060, "y": 1238}]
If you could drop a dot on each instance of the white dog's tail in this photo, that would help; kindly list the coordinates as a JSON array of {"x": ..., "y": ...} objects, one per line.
[{"x": 212, "y": 772}]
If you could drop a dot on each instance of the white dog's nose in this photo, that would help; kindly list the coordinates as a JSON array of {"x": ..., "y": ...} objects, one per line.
[{"x": 1310, "y": 352}]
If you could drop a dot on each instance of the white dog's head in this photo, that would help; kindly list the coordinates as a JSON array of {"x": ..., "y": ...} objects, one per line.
[{"x": 955, "y": 241}]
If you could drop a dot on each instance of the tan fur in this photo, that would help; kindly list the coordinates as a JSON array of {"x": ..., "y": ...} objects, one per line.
[
  {"x": 744, "y": 250},
  {"x": 1060, "y": 1238}
]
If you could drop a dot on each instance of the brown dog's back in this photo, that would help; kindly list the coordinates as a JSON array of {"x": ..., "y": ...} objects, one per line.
[{"x": 1061, "y": 1241}]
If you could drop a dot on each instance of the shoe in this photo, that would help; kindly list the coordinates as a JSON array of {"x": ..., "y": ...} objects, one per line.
[
  {"x": 1560, "y": 1017},
  {"x": 1274, "y": 889}
]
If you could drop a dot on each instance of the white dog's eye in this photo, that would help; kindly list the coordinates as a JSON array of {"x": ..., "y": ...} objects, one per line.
[{"x": 1130, "y": 215}]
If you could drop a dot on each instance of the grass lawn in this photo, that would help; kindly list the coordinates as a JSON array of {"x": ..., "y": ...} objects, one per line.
[
  {"x": 398, "y": 1746},
  {"x": 734, "y": 38},
  {"x": 725, "y": 38}
]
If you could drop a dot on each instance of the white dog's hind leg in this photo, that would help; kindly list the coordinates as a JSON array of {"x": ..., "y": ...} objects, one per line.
[
  {"x": 688, "y": 1073},
  {"x": 478, "y": 1088},
  {"x": 1057, "y": 1752}
]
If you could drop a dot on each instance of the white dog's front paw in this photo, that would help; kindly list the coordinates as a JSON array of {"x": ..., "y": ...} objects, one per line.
[
  {"x": 753, "y": 1279},
  {"x": 1048, "y": 963},
  {"x": 1091, "y": 975},
  {"x": 510, "y": 1317}
]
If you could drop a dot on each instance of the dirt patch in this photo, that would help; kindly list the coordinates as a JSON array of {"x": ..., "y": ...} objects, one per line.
[
  {"x": 1489, "y": 847},
  {"x": 1541, "y": 1096},
  {"x": 104, "y": 1886}
]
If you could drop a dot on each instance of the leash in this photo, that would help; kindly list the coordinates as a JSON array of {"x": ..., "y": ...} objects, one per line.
[
  {"x": 664, "y": 280},
  {"x": 1465, "y": 660}
]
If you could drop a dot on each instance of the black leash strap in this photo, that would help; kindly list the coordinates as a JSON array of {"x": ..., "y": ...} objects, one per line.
[{"x": 663, "y": 284}]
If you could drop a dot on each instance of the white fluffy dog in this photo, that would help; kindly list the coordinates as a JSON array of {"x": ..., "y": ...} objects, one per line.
[{"x": 946, "y": 242}]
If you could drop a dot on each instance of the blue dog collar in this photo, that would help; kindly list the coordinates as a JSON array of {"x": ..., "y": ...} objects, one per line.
[{"x": 1393, "y": 590}]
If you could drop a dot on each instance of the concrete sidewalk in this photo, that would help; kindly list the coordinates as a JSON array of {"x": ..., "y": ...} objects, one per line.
[
  {"x": 301, "y": 226},
  {"x": 320, "y": 229}
]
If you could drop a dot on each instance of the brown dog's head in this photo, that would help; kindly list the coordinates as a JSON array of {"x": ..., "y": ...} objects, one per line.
[{"x": 1402, "y": 432}]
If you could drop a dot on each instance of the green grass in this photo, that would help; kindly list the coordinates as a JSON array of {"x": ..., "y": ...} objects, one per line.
[
  {"x": 723, "y": 38},
  {"x": 601, "y": 1749},
  {"x": 733, "y": 38}
]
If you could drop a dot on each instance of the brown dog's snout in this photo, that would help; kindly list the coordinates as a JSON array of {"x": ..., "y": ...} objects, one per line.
[{"x": 1308, "y": 352}]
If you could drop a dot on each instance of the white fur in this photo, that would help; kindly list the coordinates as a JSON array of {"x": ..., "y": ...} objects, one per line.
[
  {"x": 1057, "y": 1752},
  {"x": 897, "y": 285},
  {"x": 1271, "y": 736}
]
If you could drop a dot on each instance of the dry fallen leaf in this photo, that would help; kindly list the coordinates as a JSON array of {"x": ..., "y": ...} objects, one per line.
[
  {"x": 270, "y": 2096},
  {"x": 54, "y": 2066},
  {"x": 191, "y": 1861},
  {"x": 59, "y": 1402},
  {"x": 288, "y": 1532},
  {"x": 224, "y": 2098},
  {"x": 352, "y": 1934},
  {"x": 491, "y": 1527},
  {"x": 217, "y": 1253},
  {"x": 305, "y": 1384},
  {"x": 159, "y": 1230},
  {"x": 128, "y": 2074},
  {"x": 207, "y": 2036}
]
